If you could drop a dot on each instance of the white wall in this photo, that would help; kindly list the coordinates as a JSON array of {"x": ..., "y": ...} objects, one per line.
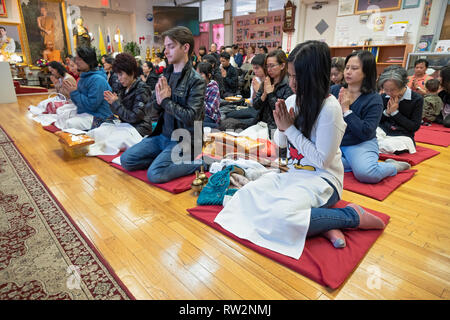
[
  {"x": 328, "y": 13},
  {"x": 356, "y": 31}
]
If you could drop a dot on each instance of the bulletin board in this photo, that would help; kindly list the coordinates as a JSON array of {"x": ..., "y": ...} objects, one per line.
[{"x": 251, "y": 30}]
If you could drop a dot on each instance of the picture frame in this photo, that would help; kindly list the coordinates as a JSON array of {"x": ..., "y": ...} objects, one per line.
[
  {"x": 362, "y": 6},
  {"x": 409, "y": 4},
  {"x": 3, "y": 11},
  {"x": 14, "y": 31},
  {"x": 37, "y": 41},
  {"x": 346, "y": 7}
]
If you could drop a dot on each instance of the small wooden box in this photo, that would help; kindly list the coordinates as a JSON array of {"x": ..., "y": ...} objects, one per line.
[{"x": 74, "y": 146}]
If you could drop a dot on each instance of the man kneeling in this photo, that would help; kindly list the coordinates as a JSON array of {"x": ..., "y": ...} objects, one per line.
[{"x": 179, "y": 100}]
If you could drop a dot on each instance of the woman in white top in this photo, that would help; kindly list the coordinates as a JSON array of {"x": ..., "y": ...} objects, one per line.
[
  {"x": 278, "y": 211},
  {"x": 259, "y": 75},
  {"x": 250, "y": 54}
]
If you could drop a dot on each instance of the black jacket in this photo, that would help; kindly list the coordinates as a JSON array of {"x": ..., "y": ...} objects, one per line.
[
  {"x": 407, "y": 121},
  {"x": 231, "y": 80},
  {"x": 265, "y": 108},
  {"x": 152, "y": 79},
  {"x": 217, "y": 75},
  {"x": 114, "y": 83},
  {"x": 186, "y": 106},
  {"x": 133, "y": 107}
]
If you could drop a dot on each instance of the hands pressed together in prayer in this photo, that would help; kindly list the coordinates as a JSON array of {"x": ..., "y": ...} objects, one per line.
[
  {"x": 345, "y": 99},
  {"x": 110, "y": 97},
  {"x": 283, "y": 118},
  {"x": 68, "y": 86},
  {"x": 162, "y": 90},
  {"x": 392, "y": 105}
]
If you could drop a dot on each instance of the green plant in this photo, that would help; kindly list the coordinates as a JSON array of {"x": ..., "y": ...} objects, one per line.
[
  {"x": 99, "y": 55},
  {"x": 132, "y": 48}
]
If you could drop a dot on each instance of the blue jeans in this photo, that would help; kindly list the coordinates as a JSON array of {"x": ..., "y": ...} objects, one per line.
[
  {"x": 324, "y": 219},
  {"x": 209, "y": 122},
  {"x": 155, "y": 154},
  {"x": 362, "y": 159}
]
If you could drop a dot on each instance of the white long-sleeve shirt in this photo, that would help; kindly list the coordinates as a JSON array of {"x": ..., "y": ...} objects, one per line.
[{"x": 322, "y": 151}]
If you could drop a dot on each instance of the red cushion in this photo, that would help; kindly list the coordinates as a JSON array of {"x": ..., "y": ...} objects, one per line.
[
  {"x": 320, "y": 261},
  {"x": 380, "y": 190},
  {"x": 421, "y": 155},
  {"x": 435, "y": 127},
  {"x": 109, "y": 159},
  {"x": 51, "y": 128},
  {"x": 437, "y": 138},
  {"x": 175, "y": 186}
]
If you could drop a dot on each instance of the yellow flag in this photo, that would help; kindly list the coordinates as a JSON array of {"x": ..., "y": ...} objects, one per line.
[
  {"x": 120, "y": 41},
  {"x": 101, "y": 43}
]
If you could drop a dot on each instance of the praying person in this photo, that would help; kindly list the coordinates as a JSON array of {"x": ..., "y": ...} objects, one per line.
[{"x": 179, "y": 100}]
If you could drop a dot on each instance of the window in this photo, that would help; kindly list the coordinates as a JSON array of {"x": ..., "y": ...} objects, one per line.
[{"x": 212, "y": 10}]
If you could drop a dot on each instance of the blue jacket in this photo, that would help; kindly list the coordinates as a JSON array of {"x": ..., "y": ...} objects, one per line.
[
  {"x": 89, "y": 94},
  {"x": 239, "y": 59},
  {"x": 362, "y": 123}
]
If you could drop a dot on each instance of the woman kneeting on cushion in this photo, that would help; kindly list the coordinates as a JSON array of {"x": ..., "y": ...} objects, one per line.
[
  {"x": 362, "y": 108},
  {"x": 130, "y": 104},
  {"x": 279, "y": 210},
  {"x": 402, "y": 113}
]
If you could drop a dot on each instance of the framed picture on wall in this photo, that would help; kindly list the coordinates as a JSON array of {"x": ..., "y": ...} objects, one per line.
[
  {"x": 13, "y": 48},
  {"x": 346, "y": 7},
  {"x": 408, "y": 4},
  {"x": 3, "y": 13},
  {"x": 46, "y": 30},
  {"x": 368, "y": 6}
]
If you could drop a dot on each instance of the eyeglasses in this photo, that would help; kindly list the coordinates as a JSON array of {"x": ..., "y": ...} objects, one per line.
[{"x": 271, "y": 66}]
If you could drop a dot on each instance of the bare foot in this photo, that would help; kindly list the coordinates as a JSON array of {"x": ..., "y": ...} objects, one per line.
[
  {"x": 336, "y": 237},
  {"x": 366, "y": 219}
]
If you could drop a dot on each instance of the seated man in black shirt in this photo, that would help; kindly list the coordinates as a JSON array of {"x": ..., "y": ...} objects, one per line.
[
  {"x": 179, "y": 100},
  {"x": 229, "y": 74}
]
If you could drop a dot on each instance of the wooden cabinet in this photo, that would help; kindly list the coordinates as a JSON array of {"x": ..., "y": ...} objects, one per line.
[{"x": 385, "y": 55}]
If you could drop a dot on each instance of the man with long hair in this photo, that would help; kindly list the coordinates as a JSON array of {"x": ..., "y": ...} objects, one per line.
[{"x": 179, "y": 101}]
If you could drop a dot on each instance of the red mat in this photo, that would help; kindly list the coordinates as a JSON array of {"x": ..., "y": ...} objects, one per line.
[
  {"x": 437, "y": 138},
  {"x": 435, "y": 127},
  {"x": 421, "y": 155},
  {"x": 380, "y": 190},
  {"x": 51, "y": 128},
  {"x": 109, "y": 159},
  {"x": 175, "y": 186},
  {"x": 320, "y": 261}
]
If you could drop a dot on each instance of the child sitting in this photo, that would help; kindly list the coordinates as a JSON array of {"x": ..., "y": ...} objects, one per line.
[
  {"x": 432, "y": 104},
  {"x": 212, "y": 96}
]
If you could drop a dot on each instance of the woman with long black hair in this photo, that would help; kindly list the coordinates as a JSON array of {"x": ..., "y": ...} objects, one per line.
[
  {"x": 278, "y": 211},
  {"x": 362, "y": 108}
]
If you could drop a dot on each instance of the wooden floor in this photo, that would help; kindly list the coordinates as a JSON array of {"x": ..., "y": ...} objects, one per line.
[{"x": 160, "y": 252}]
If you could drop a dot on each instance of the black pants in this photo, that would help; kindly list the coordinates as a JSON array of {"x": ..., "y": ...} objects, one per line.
[{"x": 444, "y": 121}]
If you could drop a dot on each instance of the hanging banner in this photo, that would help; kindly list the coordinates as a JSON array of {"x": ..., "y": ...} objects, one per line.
[{"x": 262, "y": 8}]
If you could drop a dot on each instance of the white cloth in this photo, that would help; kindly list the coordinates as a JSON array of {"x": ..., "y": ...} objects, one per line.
[
  {"x": 37, "y": 112},
  {"x": 257, "y": 131},
  {"x": 117, "y": 161},
  {"x": 274, "y": 211},
  {"x": 390, "y": 144},
  {"x": 322, "y": 151},
  {"x": 253, "y": 169},
  {"x": 81, "y": 121},
  {"x": 112, "y": 138}
]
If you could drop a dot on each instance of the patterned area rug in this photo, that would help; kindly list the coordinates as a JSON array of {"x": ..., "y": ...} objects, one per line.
[{"x": 43, "y": 254}]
